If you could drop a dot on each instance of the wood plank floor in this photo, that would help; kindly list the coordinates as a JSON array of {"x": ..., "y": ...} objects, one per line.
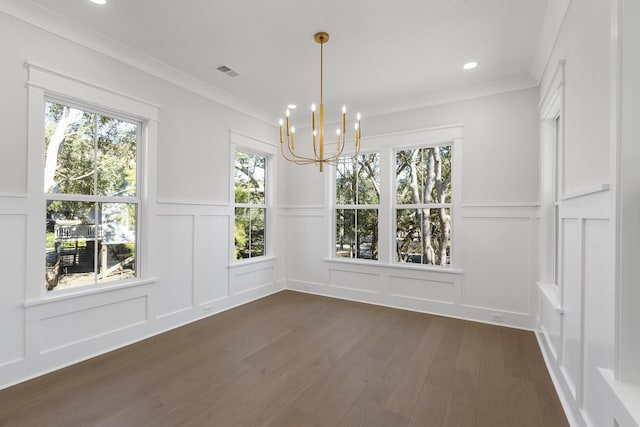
[{"x": 293, "y": 359}]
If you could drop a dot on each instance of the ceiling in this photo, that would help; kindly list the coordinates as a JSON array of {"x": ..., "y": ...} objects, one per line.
[{"x": 383, "y": 55}]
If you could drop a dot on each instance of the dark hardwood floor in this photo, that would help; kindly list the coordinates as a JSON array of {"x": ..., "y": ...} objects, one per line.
[{"x": 293, "y": 359}]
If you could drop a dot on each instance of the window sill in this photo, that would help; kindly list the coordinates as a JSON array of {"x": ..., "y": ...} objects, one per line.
[
  {"x": 80, "y": 292},
  {"x": 401, "y": 266},
  {"x": 627, "y": 394},
  {"x": 250, "y": 261},
  {"x": 551, "y": 292}
]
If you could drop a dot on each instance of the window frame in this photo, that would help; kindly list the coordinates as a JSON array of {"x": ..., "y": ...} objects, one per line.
[
  {"x": 248, "y": 144},
  {"x": 397, "y": 206},
  {"x": 102, "y": 199},
  {"x": 386, "y": 144},
  {"x": 46, "y": 85}
]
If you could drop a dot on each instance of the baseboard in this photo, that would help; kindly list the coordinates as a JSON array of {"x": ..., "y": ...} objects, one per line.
[{"x": 572, "y": 412}]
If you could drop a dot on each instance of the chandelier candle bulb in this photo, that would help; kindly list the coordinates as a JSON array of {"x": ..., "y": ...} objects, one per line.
[
  {"x": 281, "y": 138},
  {"x": 288, "y": 122},
  {"x": 355, "y": 138},
  {"x": 293, "y": 138},
  {"x": 314, "y": 140},
  {"x": 344, "y": 120}
]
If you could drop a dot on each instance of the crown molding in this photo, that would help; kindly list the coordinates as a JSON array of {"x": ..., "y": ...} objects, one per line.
[
  {"x": 552, "y": 23},
  {"x": 464, "y": 93},
  {"x": 58, "y": 25}
]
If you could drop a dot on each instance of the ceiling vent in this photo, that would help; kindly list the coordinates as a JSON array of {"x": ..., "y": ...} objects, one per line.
[{"x": 227, "y": 70}]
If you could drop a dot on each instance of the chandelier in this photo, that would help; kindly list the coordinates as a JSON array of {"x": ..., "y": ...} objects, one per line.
[{"x": 320, "y": 157}]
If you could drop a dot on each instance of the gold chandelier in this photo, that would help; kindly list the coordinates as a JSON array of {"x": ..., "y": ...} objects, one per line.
[{"x": 287, "y": 134}]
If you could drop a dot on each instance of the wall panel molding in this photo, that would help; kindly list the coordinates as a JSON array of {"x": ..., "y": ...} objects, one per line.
[{"x": 437, "y": 291}]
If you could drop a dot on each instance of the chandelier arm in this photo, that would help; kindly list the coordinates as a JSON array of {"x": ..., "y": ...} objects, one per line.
[{"x": 292, "y": 157}]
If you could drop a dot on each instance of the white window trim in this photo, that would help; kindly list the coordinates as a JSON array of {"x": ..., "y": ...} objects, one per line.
[
  {"x": 45, "y": 83},
  {"x": 250, "y": 144},
  {"x": 386, "y": 144}
]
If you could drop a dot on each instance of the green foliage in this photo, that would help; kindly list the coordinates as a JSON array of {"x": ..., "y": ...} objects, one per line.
[
  {"x": 250, "y": 178},
  {"x": 49, "y": 240}
]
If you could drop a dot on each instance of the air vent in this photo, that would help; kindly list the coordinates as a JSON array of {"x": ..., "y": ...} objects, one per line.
[{"x": 227, "y": 70}]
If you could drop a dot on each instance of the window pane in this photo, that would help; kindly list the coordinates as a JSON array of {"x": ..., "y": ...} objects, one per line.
[
  {"x": 250, "y": 178},
  {"x": 249, "y": 232},
  {"x": 241, "y": 233},
  {"x": 257, "y": 219},
  {"x": 368, "y": 182},
  {"x": 423, "y": 236},
  {"x": 358, "y": 183},
  {"x": 423, "y": 175},
  {"x": 345, "y": 182},
  {"x": 367, "y": 233},
  {"x": 117, "y": 241},
  {"x": 345, "y": 233},
  {"x": 357, "y": 233},
  {"x": 116, "y": 157},
  {"x": 69, "y": 150},
  {"x": 70, "y": 244}
]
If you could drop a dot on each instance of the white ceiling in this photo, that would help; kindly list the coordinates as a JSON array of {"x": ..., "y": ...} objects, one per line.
[{"x": 384, "y": 55}]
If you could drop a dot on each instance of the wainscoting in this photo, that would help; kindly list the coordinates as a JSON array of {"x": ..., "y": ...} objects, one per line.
[
  {"x": 190, "y": 276},
  {"x": 495, "y": 285},
  {"x": 576, "y": 317}
]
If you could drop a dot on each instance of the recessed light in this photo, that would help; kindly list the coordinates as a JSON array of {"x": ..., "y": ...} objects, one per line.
[
  {"x": 292, "y": 106},
  {"x": 470, "y": 65},
  {"x": 98, "y": 1}
]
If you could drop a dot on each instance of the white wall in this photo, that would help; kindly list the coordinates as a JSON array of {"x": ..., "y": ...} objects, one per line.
[
  {"x": 577, "y": 319},
  {"x": 188, "y": 230},
  {"x": 496, "y": 235}
]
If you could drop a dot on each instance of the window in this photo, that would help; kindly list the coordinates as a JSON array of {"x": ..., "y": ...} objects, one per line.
[
  {"x": 92, "y": 201},
  {"x": 552, "y": 182},
  {"x": 556, "y": 198},
  {"x": 399, "y": 203},
  {"x": 356, "y": 208},
  {"x": 250, "y": 205},
  {"x": 423, "y": 205}
]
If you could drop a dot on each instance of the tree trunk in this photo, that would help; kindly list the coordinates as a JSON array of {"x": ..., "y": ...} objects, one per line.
[
  {"x": 51, "y": 158},
  {"x": 445, "y": 219},
  {"x": 424, "y": 215}
]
